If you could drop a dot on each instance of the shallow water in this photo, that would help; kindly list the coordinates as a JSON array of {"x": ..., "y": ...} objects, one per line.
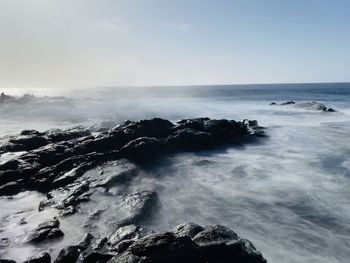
[{"x": 288, "y": 194}]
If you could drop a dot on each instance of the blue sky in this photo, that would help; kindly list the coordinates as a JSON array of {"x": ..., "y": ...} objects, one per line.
[{"x": 159, "y": 42}]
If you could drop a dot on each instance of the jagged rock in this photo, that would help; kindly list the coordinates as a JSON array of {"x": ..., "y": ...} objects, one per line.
[
  {"x": 125, "y": 232},
  {"x": 215, "y": 234},
  {"x": 67, "y": 198},
  {"x": 189, "y": 243},
  {"x": 138, "y": 206},
  {"x": 69, "y": 254},
  {"x": 42, "y": 258},
  {"x": 128, "y": 258},
  {"x": 93, "y": 257},
  {"x": 44, "y": 231},
  {"x": 86, "y": 241},
  {"x": 142, "y": 148},
  {"x": 188, "y": 229},
  {"x": 58, "y": 158},
  {"x": 100, "y": 243},
  {"x": 189, "y": 139},
  {"x": 212, "y": 244},
  {"x": 166, "y": 246}
]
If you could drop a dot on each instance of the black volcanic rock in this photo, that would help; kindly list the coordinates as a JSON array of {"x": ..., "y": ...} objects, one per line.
[
  {"x": 212, "y": 244},
  {"x": 138, "y": 206},
  {"x": 189, "y": 243},
  {"x": 7, "y": 261},
  {"x": 69, "y": 254},
  {"x": 188, "y": 229},
  {"x": 57, "y": 158},
  {"x": 141, "y": 149},
  {"x": 42, "y": 258},
  {"x": 188, "y": 139},
  {"x": 44, "y": 231},
  {"x": 93, "y": 257}
]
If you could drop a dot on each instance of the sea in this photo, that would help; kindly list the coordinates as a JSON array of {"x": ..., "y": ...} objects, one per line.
[{"x": 289, "y": 194}]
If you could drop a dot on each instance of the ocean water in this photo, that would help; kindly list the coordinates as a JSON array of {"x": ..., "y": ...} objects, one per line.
[{"x": 289, "y": 194}]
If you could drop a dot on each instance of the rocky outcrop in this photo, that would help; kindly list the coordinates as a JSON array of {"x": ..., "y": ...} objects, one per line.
[
  {"x": 187, "y": 243},
  {"x": 313, "y": 105},
  {"x": 210, "y": 244},
  {"x": 55, "y": 159}
]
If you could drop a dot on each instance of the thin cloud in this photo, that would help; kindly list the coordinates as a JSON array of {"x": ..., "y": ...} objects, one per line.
[{"x": 112, "y": 25}]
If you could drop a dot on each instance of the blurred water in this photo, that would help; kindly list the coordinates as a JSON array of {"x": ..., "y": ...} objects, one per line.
[{"x": 288, "y": 194}]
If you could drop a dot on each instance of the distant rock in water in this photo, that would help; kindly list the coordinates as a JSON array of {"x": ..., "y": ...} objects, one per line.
[
  {"x": 4, "y": 97},
  {"x": 57, "y": 158},
  {"x": 307, "y": 105}
]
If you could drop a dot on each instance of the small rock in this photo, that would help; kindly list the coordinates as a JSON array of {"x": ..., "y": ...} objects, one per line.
[
  {"x": 47, "y": 230},
  {"x": 42, "y": 258}
]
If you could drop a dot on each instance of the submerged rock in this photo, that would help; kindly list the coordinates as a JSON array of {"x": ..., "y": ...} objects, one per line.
[{"x": 313, "y": 105}]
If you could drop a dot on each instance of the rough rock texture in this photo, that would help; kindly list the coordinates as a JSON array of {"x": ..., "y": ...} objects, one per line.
[
  {"x": 42, "y": 258},
  {"x": 138, "y": 206},
  {"x": 44, "y": 231},
  {"x": 187, "y": 243},
  {"x": 57, "y": 158},
  {"x": 211, "y": 244}
]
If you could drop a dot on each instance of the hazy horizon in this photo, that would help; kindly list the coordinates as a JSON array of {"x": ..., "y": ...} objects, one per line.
[{"x": 164, "y": 43}]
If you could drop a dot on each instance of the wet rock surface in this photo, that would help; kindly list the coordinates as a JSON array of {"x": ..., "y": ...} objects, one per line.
[
  {"x": 57, "y": 158},
  {"x": 41, "y": 258},
  {"x": 73, "y": 167},
  {"x": 188, "y": 243},
  {"x": 44, "y": 231},
  {"x": 138, "y": 206},
  {"x": 211, "y": 244}
]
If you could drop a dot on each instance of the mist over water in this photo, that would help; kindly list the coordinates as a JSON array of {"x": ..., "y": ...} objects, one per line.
[{"x": 288, "y": 194}]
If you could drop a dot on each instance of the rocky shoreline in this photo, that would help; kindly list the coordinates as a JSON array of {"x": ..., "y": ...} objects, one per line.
[
  {"x": 64, "y": 164},
  {"x": 188, "y": 242}
]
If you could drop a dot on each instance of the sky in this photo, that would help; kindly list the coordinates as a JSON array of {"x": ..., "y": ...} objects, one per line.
[{"x": 87, "y": 43}]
